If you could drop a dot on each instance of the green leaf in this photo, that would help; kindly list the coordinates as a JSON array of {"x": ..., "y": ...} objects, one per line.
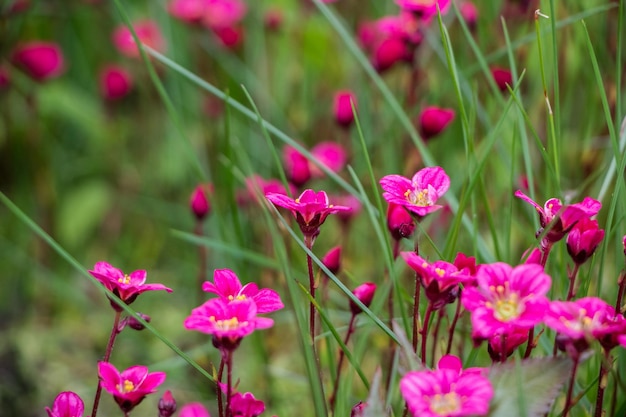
[{"x": 533, "y": 383}]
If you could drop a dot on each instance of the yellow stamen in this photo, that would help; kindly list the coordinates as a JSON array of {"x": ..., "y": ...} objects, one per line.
[
  {"x": 124, "y": 280},
  {"x": 125, "y": 387},
  {"x": 445, "y": 404}
]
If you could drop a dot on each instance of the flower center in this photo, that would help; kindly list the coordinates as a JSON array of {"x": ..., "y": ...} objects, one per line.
[
  {"x": 440, "y": 272},
  {"x": 418, "y": 198},
  {"x": 238, "y": 297},
  {"x": 506, "y": 305},
  {"x": 124, "y": 280},
  {"x": 445, "y": 404},
  {"x": 126, "y": 387},
  {"x": 229, "y": 324}
]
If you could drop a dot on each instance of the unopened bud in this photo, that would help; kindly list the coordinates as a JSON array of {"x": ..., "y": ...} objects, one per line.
[
  {"x": 332, "y": 259},
  {"x": 365, "y": 294},
  {"x": 399, "y": 222},
  {"x": 167, "y": 404},
  {"x": 199, "y": 201}
]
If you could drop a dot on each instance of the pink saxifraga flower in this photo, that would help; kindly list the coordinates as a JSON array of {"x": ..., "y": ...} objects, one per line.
[
  {"x": 126, "y": 287},
  {"x": 425, "y": 9},
  {"x": 434, "y": 120},
  {"x": 227, "y": 285},
  {"x": 194, "y": 410},
  {"x": 329, "y": 154},
  {"x": 310, "y": 209},
  {"x": 148, "y": 33},
  {"x": 583, "y": 240},
  {"x": 447, "y": 391},
  {"x": 365, "y": 294},
  {"x": 131, "y": 386},
  {"x": 39, "y": 60},
  {"x": 296, "y": 166},
  {"x": 332, "y": 259},
  {"x": 506, "y": 298},
  {"x": 66, "y": 404},
  {"x": 502, "y": 78},
  {"x": 342, "y": 107},
  {"x": 115, "y": 83},
  {"x": 419, "y": 194}
]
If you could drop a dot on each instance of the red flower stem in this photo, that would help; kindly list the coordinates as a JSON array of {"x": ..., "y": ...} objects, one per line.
[
  {"x": 503, "y": 348},
  {"x": 416, "y": 311},
  {"x": 602, "y": 381},
  {"x": 433, "y": 346},
  {"x": 429, "y": 310},
  {"x": 107, "y": 356},
  {"x": 531, "y": 344},
  {"x": 218, "y": 389},
  {"x": 342, "y": 355},
  {"x": 570, "y": 389},
  {"x": 229, "y": 383},
  {"x": 621, "y": 283},
  {"x": 545, "y": 252},
  {"x": 572, "y": 281},
  {"x": 457, "y": 314},
  {"x": 202, "y": 258}
]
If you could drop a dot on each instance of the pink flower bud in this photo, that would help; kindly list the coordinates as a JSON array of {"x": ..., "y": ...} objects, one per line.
[
  {"x": 502, "y": 77},
  {"x": 167, "y": 404},
  {"x": 399, "y": 222},
  {"x": 433, "y": 120},
  {"x": 40, "y": 60},
  {"x": 135, "y": 324},
  {"x": 332, "y": 259},
  {"x": 231, "y": 36},
  {"x": 390, "y": 51},
  {"x": 364, "y": 293},
  {"x": 199, "y": 201},
  {"x": 583, "y": 240},
  {"x": 342, "y": 107},
  {"x": 470, "y": 13},
  {"x": 115, "y": 83}
]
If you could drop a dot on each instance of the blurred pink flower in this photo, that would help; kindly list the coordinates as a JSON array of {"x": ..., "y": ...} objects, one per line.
[
  {"x": 332, "y": 259},
  {"x": 390, "y": 51},
  {"x": 148, "y": 33},
  {"x": 350, "y": 201},
  {"x": 390, "y": 39},
  {"x": 434, "y": 120},
  {"x": 193, "y": 410},
  {"x": 66, "y": 404},
  {"x": 273, "y": 19},
  {"x": 469, "y": 11},
  {"x": 583, "y": 240},
  {"x": 230, "y": 36},
  {"x": 330, "y": 154},
  {"x": 447, "y": 391},
  {"x": 224, "y": 13},
  {"x": 506, "y": 298},
  {"x": 258, "y": 186},
  {"x": 342, "y": 107},
  {"x": 199, "y": 201},
  {"x": 227, "y": 285},
  {"x": 126, "y": 287},
  {"x": 310, "y": 209},
  {"x": 365, "y": 294},
  {"x": 189, "y": 11},
  {"x": 419, "y": 194},
  {"x": 131, "y": 386},
  {"x": 115, "y": 82},
  {"x": 296, "y": 166},
  {"x": 40, "y": 60},
  {"x": 502, "y": 77},
  {"x": 424, "y": 9}
]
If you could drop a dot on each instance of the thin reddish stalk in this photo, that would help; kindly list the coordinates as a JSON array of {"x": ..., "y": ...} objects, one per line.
[
  {"x": 218, "y": 391},
  {"x": 429, "y": 311},
  {"x": 531, "y": 344},
  {"x": 433, "y": 345},
  {"x": 621, "y": 283},
  {"x": 572, "y": 281},
  {"x": 107, "y": 356},
  {"x": 602, "y": 381},
  {"x": 570, "y": 389},
  {"x": 457, "y": 313},
  {"x": 416, "y": 311},
  {"x": 342, "y": 355},
  {"x": 229, "y": 382}
]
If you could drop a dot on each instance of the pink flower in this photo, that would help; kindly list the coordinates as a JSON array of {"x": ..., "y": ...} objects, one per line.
[
  {"x": 419, "y": 194},
  {"x": 245, "y": 405},
  {"x": 193, "y": 410},
  {"x": 399, "y": 222},
  {"x": 148, "y": 33},
  {"x": 40, "y": 60},
  {"x": 389, "y": 52},
  {"x": 469, "y": 11},
  {"x": 440, "y": 279},
  {"x": 257, "y": 187},
  {"x": 565, "y": 217},
  {"x": 350, "y": 201},
  {"x": 331, "y": 155},
  {"x": 296, "y": 166},
  {"x": 425, "y": 9},
  {"x": 447, "y": 391},
  {"x": 365, "y": 294},
  {"x": 227, "y": 321},
  {"x": 512, "y": 340},
  {"x": 433, "y": 120},
  {"x": 310, "y": 209},
  {"x": 342, "y": 107},
  {"x": 332, "y": 259},
  {"x": 506, "y": 298},
  {"x": 115, "y": 82},
  {"x": 221, "y": 14},
  {"x": 227, "y": 285},
  {"x": 199, "y": 201},
  {"x": 189, "y": 11},
  {"x": 126, "y": 287},
  {"x": 230, "y": 36},
  {"x": 131, "y": 386},
  {"x": 583, "y": 240},
  {"x": 502, "y": 77},
  {"x": 66, "y": 404}
]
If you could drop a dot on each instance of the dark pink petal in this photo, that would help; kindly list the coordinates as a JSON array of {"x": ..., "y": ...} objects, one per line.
[
  {"x": 109, "y": 377},
  {"x": 521, "y": 195},
  {"x": 138, "y": 277},
  {"x": 267, "y": 301},
  {"x": 530, "y": 279},
  {"x": 226, "y": 283},
  {"x": 67, "y": 404}
]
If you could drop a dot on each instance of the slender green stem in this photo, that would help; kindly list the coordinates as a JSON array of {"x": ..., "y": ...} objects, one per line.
[{"x": 107, "y": 356}]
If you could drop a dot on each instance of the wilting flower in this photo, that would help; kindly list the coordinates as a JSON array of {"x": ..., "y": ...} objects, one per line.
[
  {"x": 365, "y": 294},
  {"x": 342, "y": 107},
  {"x": 193, "y": 410},
  {"x": 440, "y": 279},
  {"x": 502, "y": 77},
  {"x": 310, "y": 209},
  {"x": 227, "y": 285},
  {"x": 148, "y": 33},
  {"x": 131, "y": 386},
  {"x": 447, "y": 391},
  {"x": 199, "y": 201},
  {"x": 115, "y": 82},
  {"x": 329, "y": 154},
  {"x": 66, "y": 404},
  {"x": 506, "y": 298},
  {"x": 418, "y": 194},
  {"x": 40, "y": 60},
  {"x": 296, "y": 166},
  {"x": 583, "y": 240},
  {"x": 228, "y": 322},
  {"x": 126, "y": 287},
  {"x": 565, "y": 217},
  {"x": 167, "y": 404},
  {"x": 433, "y": 120},
  {"x": 332, "y": 259}
]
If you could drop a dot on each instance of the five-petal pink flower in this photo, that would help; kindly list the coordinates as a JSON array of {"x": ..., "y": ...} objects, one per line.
[
  {"x": 419, "y": 194},
  {"x": 131, "y": 386}
]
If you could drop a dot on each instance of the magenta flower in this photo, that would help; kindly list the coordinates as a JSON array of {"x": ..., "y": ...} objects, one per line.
[
  {"x": 115, "y": 83},
  {"x": 126, "y": 287},
  {"x": 331, "y": 155},
  {"x": 189, "y": 11},
  {"x": 193, "y": 410},
  {"x": 39, "y": 60},
  {"x": 434, "y": 120},
  {"x": 227, "y": 285},
  {"x": 501, "y": 346},
  {"x": 425, "y": 9},
  {"x": 296, "y": 166},
  {"x": 566, "y": 216},
  {"x": 389, "y": 52},
  {"x": 342, "y": 107},
  {"x": 245, "y": 405},
  {"x": 220, "y": 14},
  {"x": 583, "y": 240},
  {"x": 148, "y": 33},
  {"x": 131, "y": 386},
  {"x": 447, "y": 391},
  {"x": 310, "y": 209},
  {"x": 506, "y": 298},
  {"x": 440, "y": 279},
  {"x": 399, "y": 222},
  {"x": 332, "y": 259},
  {"x": 419, "y": 194},
  {"x": 199, "y": 201},
  {"x": 469, "y": 11},
  {"x": 228, "y": 322},
  {"x": 502, "y": 77},
  {"x": 66, "y": 404},
  {"x": 365, "y": 294}
]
